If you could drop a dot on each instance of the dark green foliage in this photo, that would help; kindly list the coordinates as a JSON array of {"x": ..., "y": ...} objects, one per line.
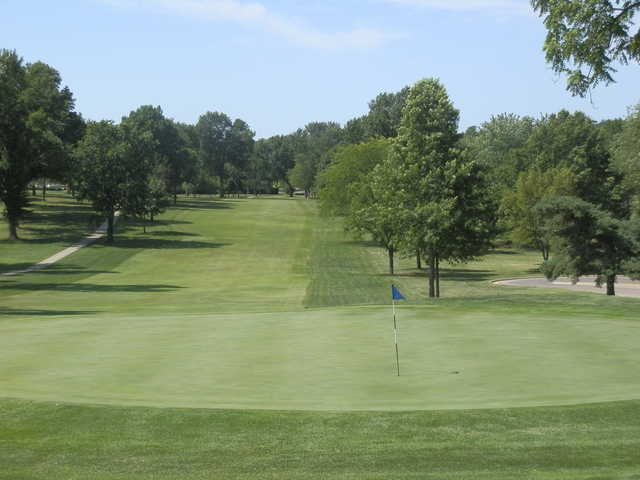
[
  {"x": 36, "y": 123},
  {"x": 586, "y": 38},
  {"x": 626, "y": 155},
  {"x": 222, "y": 142},
  {"x": 573, "y": 140},
  {"x": 385, "y": 113},
  {"x": 498, "y": 147},
  {"x": 591, "y": 241},
  {"x": 110, "y": 171},
  {"x": 312, "y": 147}
]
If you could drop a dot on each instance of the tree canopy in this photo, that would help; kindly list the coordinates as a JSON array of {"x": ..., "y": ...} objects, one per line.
[{"x": 586, "y": 39}]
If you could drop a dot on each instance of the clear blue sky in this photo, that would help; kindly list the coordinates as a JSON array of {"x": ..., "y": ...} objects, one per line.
[{"x": 279, "y": 64}]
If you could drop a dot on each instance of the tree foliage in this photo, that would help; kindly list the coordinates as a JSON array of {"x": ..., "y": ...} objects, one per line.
[
  {"x": 528, "y": 225},
  {"x": 591, "y": 242},
  {"x": 36, "y": 119},
  {"x": 340, "y": 182},
  {"x": 104, "y": 172},
  {"x": 450, "y": 215},
  {"x": 586, "y": 38}
]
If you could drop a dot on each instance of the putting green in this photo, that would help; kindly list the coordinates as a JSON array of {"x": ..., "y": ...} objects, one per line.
[
  {"x": 327, "y": 359},
  {"x": 207, "y": 309}
]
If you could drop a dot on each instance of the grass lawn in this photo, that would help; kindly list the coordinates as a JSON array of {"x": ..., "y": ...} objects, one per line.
[{"x": 248, "y": 338}]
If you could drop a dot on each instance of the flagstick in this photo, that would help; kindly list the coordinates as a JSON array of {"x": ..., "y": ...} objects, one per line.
[{"x": 395, "y": 333}]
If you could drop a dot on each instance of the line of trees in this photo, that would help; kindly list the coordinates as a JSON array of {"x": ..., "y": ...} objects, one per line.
[
  {"x": 402, "y": 175},
  {"x": 562, "y": 184}
]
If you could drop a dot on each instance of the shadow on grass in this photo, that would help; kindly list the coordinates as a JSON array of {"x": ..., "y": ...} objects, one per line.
[
  {"x": 466, "y": 274},
  {"x": 171, "y": 233},
  {"x": 43, "y": 313},
  {"x": 204, "y": 204},
  {"x": 159, "y": 244},
  {"x": 89, "y": 287},
  {"x": 359, "y": 243},
  {"x": 55, "y": 269}
]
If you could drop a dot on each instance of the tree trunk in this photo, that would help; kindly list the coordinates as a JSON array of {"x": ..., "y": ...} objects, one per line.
[
  {"x": 611, "y": 285},
  {"x": 13, "y": 229},
  {"x": 390, "y": 252},
  {"x": 545, "y": 253},
  {"x": 418, "y": 260},
  {"x": 110, "y": 227},
  {"x": 432, "y": 276},
  {"x": 437, "y": 276},
  {"x": 44, "y": 190},
  {"x": 33, "y": 189}
]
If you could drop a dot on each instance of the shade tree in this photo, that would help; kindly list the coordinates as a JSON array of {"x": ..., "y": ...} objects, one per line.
[
  {"x": 591, "y": 241},
  {"x": 36, "y": 121},
  {"x": 449, "y": 212}
]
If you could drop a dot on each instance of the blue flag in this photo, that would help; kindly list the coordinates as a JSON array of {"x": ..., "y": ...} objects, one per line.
[{"x": 395, "y": 293}]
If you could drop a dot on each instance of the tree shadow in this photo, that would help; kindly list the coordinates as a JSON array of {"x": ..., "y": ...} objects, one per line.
[
  {"x": 171, "y": 233},
  {"x": 90, "y": 287},
  {"x": 159, "y": 243},
  {"x": 501, "y": 252},
  {"x": 55, "y": 269},
  {"x": 203, "y": 205},
  {"x": 466, "y": 274},
  {"x": 360, "y": 243},
  {"x": 46, "y": 313}
]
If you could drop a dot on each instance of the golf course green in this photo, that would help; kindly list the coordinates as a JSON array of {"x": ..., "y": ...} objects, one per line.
[{"x": 236, "y": 338}]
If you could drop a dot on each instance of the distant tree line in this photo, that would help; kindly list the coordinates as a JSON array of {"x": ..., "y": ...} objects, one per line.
[{"x": 402, "y": 175}]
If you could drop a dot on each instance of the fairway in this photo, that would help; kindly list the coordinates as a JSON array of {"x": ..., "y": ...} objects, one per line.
[{"x": 260, "y": 304}]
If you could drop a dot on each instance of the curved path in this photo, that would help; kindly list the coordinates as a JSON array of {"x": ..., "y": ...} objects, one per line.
[
  {"x": 88, "y": 240},
  {"x": 625, "y": 287}
]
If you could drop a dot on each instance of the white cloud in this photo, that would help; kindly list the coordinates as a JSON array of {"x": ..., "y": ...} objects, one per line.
[
  {"x": 258, "y": 16},
  {"x": 502, "y": 6}
]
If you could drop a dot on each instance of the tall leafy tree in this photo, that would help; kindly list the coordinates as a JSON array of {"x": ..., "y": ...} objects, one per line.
[
  {"x": 375, "y": 209},
  {"x": 385, "y": 113},
  {"x": 153, "y": 145},
  {"x": 313, "y": 147},
  {"x": 35, "y": 113},
  {"x": 221, "y": 142},
  {"x": 626, "y": 155},
  {"x": 529, "y": 226},
  {"x": 104, "y": 171},
  {"x": 340, "y": 182},
  {"x": 450, "y": 215},
  {"x": 586, "y": 38},
  {"x": 574, "y": 141},
  {"x": 498, "y": 145},
  {"x": 214, "y": 129}
]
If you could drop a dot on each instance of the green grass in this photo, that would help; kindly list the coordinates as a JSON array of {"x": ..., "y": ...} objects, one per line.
[
  {"x": 252, "y": 304},
  {"x": 49, "y": 227},
  {"x": 46, "y": 441}
]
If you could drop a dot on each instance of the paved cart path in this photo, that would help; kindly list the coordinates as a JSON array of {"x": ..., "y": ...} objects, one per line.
[
  {"x": 88, "y": 240},
  {"x": 625, "y": 287}
]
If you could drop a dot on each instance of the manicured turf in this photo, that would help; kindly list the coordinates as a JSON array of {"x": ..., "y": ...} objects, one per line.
[
  {"x": 260, "y": 304},
  {"x": 50, "y": 226},
  {"x": 57, "y": 441}
]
